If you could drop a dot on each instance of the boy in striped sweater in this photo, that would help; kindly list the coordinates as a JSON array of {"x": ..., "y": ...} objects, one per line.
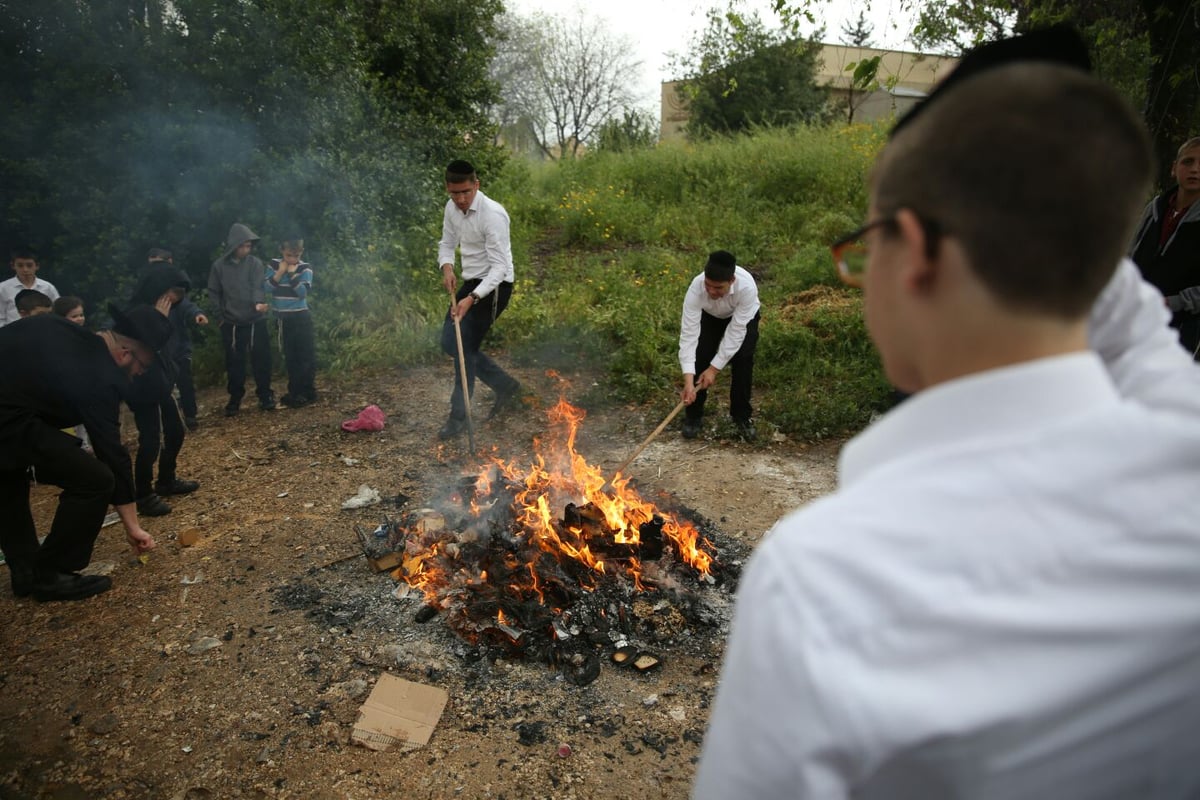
[{"x": 288, "y": 281}]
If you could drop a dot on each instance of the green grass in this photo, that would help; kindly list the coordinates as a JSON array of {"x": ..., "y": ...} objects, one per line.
[{"x": 605, "y": 247}]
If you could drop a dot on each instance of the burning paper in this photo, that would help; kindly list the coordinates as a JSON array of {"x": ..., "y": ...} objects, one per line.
[{"x": 533, "y": 556}]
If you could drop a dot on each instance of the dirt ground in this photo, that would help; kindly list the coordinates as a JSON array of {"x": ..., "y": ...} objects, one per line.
[{"x": 235, "y": 667}]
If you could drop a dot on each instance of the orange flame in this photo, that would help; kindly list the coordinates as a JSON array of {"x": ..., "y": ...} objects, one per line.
[{"x": 605, "y": 543}]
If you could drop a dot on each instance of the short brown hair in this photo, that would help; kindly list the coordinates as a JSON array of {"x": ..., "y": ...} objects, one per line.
[{"x": 1038, "y": 171}]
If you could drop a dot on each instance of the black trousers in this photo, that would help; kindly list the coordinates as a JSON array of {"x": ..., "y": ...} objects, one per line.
[
  {"x": 87, "y": 487},
  {"x": 239, "y": 340},
  {"x": 152, "y": 418},
  {"x": 187, "y": 386},
  {"x": 1188, "y": 326},
  {"x": 475, "y": 326},
  {"x": 741, "y": 382},
  {"x": 299, "y": 353}
]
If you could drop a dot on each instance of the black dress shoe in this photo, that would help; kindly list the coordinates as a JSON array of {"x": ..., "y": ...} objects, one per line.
[
  {"x": 192, "y": 423},
  {"x": 69, "y": 586},
  {"x": 232, "y": 408},
  {"x": 153, "y": 506},
  {"x": 505, "y": 400},
  {"x": 177, "y": 486},
  {"x": 22, "y": 579},
  {"x": 453, "y": 427},
  {"x": 692, "y": 428},
  {"x": 267, "y": 403}
]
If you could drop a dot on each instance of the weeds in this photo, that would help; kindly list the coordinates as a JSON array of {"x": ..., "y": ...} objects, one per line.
[{"x": 605, "y": 247}]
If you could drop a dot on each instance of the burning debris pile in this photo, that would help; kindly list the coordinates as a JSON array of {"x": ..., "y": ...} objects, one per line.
[{"x": 552, "y": 562}]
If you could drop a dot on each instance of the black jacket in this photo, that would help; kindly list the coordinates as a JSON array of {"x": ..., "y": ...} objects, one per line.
[{"x": 61, "y": 374}]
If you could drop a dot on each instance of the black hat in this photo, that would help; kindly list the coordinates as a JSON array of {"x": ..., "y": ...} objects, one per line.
[
  {"x": 143, "y": 323},
  {"x": 1057, "y": 44}
]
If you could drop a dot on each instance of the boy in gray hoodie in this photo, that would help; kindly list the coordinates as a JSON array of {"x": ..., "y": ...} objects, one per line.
[{"x": 235, "y": 286}]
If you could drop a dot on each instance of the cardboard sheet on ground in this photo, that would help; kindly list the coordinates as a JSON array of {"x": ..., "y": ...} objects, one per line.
[{"x": 399, "y": 713}]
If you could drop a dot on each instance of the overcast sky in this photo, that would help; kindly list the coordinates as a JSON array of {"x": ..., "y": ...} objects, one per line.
[{"x": 658, "y": 27}]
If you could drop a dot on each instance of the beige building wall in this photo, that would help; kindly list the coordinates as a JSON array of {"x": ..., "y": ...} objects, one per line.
[{"x": 904, "y": 78}]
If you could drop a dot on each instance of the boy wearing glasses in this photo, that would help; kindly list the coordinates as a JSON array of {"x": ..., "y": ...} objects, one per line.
[
  {"x": 1000, "y": 599},
  {"x": 719, "y": 328}
]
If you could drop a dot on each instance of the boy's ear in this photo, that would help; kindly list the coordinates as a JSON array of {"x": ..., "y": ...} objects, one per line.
[{"x": 918, "y": 270}]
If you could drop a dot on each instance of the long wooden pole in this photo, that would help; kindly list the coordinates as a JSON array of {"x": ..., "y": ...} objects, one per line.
[
  {"x": 462, "y": 371},
  {"x": 661, "y": 427}
]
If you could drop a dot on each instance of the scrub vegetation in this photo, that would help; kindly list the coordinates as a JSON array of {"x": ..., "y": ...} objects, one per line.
[{"x": 605, "y": 247}]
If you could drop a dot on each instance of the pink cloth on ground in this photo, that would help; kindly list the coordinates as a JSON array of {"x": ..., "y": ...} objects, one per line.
[{"x": 369, "y": 419}]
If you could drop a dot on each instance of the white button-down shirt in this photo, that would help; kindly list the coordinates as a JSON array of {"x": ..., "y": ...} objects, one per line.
[
  {"x": 1002, "y": 599},
  {"x": 8, "y": 296},
  {"x": 739, "y": 305},
  {"x": 482, "y": 239}
]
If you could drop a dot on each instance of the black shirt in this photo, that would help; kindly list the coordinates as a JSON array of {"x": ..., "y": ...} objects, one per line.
[{"x": 61, "y": 374}]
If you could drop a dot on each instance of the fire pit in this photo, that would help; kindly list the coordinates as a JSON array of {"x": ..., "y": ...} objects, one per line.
[{"x": 548, "y": 561}]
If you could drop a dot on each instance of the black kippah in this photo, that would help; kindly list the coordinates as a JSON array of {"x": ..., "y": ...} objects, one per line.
[{"x": 1057, "y": 44}]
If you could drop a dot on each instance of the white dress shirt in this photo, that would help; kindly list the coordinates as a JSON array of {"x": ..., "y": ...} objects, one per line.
[
  {"x": 1002, "y": 599},
  {"x": 482, "y": 239},
  {"x": 740, "y": 303},
  {"x": 8, "y": 296}
]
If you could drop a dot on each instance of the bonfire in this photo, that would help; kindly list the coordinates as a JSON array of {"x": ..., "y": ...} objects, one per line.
[{"x": 531, "y": 557}]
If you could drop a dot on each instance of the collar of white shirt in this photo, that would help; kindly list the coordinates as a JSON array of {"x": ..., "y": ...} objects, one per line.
[{"x": 993, "y": 403}]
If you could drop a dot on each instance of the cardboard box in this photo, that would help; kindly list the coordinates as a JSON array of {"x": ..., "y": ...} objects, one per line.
[{"x": 399, "y": 712}]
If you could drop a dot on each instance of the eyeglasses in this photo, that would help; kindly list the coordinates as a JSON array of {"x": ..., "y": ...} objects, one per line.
[{"x": 850, "y": 252}]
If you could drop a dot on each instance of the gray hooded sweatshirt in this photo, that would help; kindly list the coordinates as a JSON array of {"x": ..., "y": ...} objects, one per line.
[{"x": 235, "y": 287}]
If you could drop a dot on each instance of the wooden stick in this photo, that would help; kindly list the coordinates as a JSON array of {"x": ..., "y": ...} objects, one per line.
[
  {"x": 462, "y": 371},
  {"x": 661, "y": 426}
]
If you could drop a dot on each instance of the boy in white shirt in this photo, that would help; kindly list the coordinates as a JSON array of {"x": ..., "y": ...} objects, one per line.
[
  {"x": 25, "y": 265},
  {"x": 719, "y": 328}
]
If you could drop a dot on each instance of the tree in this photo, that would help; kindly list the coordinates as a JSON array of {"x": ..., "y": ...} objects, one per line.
[
  {"x": 138, "y": 123},
  {"x": 738, "y": 75},
  {"x": 858, "y": 33},
  {"x": 635, "y": 129},
  {"x": 1149, "y": 49},
  {"x": 562, "y": 79}
]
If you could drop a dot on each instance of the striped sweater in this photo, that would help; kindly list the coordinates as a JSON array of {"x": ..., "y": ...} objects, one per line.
[{"x": 290, "y": 293}]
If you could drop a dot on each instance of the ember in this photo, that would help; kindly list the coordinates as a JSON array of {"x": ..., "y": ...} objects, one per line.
[{"x": 503, "y": 567}]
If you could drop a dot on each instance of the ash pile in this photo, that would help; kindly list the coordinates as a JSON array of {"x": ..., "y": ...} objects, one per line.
[{"x": 610, "y": 580}]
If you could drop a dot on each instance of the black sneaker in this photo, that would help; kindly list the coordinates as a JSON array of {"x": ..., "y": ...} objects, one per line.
[
  {"x": 69, "y": 586},
  {"x": 267, "y": 403},
  {"x": 692, "y": 428},
  {"x": 232, "y": 408},
  {"x": 505, "y": 400},
  {"x": 191, "y": 423},
  {"x": 287, "y": 400},
  {"x": 153, "y": 506},
  {"x": 453, "y": 427},
  {"x": 177, "y": 486},
  {"x": 745, "y": 429}
]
